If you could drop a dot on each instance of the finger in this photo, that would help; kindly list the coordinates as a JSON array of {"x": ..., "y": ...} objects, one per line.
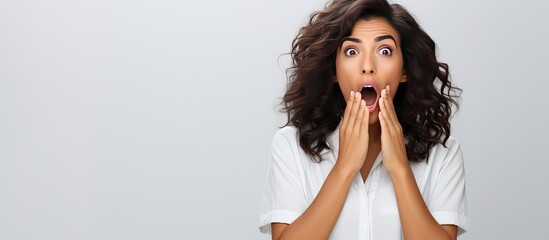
[
  {"x": 365, "y": 122},
  {"x": 354, "y": 110},
  {"x": 360, "y": 115},
  {"x": 382, "y": 121},
  {"x": 390, "y": 104},
  {"x": 347, "y": 112},
  {"x": 389, "y": 114},
  {"x": 392, "y": 110},
  {"x": 385, "y": 126}
]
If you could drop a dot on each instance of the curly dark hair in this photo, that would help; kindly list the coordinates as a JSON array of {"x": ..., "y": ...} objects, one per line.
[{"x": 314, "y": 103}]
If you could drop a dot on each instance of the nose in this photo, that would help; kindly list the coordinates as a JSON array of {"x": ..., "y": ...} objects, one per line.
[{"x": 368, "y": 65}]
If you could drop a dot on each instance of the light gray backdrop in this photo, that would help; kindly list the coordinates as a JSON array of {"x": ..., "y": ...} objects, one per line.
[{"x": 136, "y": 119}]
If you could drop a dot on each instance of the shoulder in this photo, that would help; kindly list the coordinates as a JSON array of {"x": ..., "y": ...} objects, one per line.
[
  {"x": 451, "y": 145},
  {"x": 287, "y": 134},
  {"x": 448, "y": 151},
  {"x": 442, "y": 154},
  {"x": 452, "y": 141},
  {"x": 285, "y": 141}
]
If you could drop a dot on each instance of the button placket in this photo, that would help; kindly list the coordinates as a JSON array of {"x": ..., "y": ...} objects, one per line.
[{"x": 364, "y": 232}]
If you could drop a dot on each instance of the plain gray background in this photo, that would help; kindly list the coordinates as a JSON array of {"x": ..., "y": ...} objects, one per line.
[{"x": 153, "y": 119}]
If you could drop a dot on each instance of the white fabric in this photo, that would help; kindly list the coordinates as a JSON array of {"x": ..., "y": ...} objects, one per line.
[{"x": 370, "y": 212}]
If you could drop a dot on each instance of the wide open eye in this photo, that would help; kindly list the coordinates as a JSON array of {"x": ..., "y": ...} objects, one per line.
[
  {"x": 385, "y": 51},
  {"x": 351, "y": 52}
]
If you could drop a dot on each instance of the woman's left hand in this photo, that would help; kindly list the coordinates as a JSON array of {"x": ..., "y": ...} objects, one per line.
[{"x": 393, "y": 149}]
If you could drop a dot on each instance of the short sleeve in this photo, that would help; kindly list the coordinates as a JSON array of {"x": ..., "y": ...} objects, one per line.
[
  {"x": 283, "y": 197},
  {"x": 448, "y": 203}
]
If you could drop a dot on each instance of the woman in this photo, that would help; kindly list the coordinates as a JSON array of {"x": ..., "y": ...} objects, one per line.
[{"x": 367, "y": 151}]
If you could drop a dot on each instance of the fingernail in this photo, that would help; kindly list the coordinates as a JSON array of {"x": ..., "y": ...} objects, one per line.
[
  {"x": 352, "y": 93},
  {"x": 389, "y": 87}
]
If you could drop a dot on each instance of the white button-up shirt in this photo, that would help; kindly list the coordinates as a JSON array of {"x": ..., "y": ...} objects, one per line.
[{"x": 370, "y": 211}]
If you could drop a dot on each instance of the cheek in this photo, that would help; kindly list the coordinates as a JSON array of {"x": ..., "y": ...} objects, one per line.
[
  {"x": 392, "y": 72},
  {"x": 344, "y": 77},
  {"x": 345, "y": 90}
]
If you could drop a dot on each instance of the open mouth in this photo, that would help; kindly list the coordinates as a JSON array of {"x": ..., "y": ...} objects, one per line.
[{"x": 369, "y": 95}]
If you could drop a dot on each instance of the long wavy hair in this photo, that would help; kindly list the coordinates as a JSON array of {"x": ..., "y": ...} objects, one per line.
[{"x": 314, "y": 103}]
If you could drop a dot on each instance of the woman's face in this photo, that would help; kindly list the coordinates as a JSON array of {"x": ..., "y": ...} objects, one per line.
[{"x": 368, "y": 60}]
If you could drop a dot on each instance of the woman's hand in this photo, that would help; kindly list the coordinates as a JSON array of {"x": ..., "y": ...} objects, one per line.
[
  {"x": 393, "y": 149},
  {"x": 353, "y": 133}
]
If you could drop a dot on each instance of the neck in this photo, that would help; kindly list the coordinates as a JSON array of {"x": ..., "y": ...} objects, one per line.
[
  {"x": 374, "y": 132},
  {"x": 374, "y": 147}
]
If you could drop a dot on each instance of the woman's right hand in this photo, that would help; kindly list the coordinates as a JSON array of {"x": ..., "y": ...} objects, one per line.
[{"x": 353, "y": 134}]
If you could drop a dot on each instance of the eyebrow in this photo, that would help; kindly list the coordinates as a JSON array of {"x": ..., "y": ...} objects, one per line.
[
  {"x": 383, "y": 37},
  {"x": 377, "y": 39},
  {"x": 352, "y": 39}
]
